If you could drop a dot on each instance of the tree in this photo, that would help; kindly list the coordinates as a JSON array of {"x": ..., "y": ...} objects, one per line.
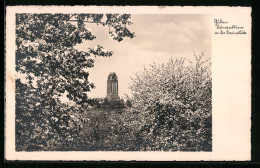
[
  {"x": 174, "y": 105},
  {"x": 53, "y": 68}
]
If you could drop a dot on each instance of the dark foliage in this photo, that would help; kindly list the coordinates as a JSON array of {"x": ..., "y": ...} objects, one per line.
[{"x": 54, "y": 69}]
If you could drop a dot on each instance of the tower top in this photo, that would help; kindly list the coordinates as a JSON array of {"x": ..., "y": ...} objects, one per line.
[{"x": 112, "y": 76}]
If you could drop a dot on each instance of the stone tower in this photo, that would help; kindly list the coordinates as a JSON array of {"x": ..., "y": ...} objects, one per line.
[{"x": 112, "y": 87}]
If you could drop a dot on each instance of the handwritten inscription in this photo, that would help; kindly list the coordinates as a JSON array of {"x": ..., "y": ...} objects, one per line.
[{"x": 224, "y": 27}]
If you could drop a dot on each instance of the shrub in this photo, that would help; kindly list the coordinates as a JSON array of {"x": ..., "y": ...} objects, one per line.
[{"x": 174, "y": 105}]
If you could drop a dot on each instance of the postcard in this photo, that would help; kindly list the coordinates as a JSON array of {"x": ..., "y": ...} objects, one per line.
[{"x": 124, "y": 83}]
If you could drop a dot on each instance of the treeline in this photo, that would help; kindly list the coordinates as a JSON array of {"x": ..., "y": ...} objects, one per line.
[
  {"x": 171, "y": 110},
  {"x": 110, "y": 104}
]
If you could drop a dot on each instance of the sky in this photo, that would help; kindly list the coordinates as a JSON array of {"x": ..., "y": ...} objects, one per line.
[{"x": 158, "y": 38}]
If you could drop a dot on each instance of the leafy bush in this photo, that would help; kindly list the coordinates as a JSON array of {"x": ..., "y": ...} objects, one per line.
[
  {"x": 52, "y": 128},
  {"x": 174, "y": 105}
]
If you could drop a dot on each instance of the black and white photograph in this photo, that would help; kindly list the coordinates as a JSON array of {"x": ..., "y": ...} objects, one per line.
[
  {"x": 113, "y": 82},
  {"x": 116, "y": 81}
]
